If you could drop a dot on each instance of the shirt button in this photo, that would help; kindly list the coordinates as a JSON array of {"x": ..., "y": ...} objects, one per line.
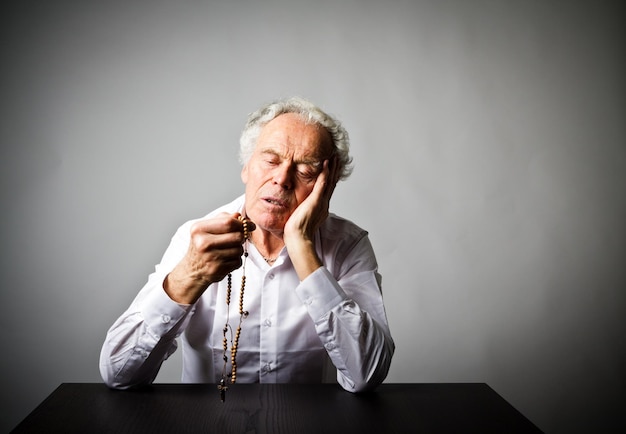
[
  {"x": 271, "y": 276},
  {"x": 165, "y": 318},
  {"x": 267, "y": 323},
  {"x": 267, "y": 368}
]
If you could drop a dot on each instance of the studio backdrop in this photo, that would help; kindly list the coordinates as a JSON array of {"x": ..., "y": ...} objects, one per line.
[{"x": 490, "y": 171}]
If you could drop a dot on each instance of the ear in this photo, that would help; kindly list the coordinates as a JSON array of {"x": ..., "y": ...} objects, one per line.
[{"x": 244, "y": 174}]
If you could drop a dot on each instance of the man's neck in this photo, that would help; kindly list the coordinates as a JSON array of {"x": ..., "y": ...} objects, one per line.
[{"x": 267, "y": 243}]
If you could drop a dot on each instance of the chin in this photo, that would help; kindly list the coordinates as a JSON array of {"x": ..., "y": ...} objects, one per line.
[{"x": 274, "y": 224}]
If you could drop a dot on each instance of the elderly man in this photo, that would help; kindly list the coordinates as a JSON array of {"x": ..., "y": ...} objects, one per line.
[{"x": 270, "y": 288}]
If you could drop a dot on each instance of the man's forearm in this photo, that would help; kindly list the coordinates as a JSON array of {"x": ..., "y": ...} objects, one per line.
[
  {"x": 358, "y": 343},
  {"x": 304, "y": 258}
]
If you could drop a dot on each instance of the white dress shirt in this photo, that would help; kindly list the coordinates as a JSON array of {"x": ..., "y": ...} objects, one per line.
[{"x": 331, "y": 325}]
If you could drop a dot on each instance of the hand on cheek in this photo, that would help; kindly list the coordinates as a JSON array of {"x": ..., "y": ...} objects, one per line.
[{"x": 300, "y": 229}]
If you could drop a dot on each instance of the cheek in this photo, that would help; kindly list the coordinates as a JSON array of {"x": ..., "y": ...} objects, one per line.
[
  {"x": 303, "y": 192},
  {"x": 252, "y": 175}
]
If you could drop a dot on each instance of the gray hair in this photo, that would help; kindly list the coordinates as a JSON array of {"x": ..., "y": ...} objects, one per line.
[{"x": 310, "y": 113}]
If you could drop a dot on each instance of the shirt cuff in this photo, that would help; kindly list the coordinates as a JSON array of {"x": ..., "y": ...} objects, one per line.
[
  {"x": 320, "y": 292},
  {"x": 161, "y": 313}
]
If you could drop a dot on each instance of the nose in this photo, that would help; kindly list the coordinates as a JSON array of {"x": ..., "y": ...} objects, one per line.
[{"x": 283, "y": 176}]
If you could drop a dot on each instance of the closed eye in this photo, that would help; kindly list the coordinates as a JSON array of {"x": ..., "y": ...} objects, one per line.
[
  {"x": 308, "y": 172},
  {"x": 306, "y": 176}
]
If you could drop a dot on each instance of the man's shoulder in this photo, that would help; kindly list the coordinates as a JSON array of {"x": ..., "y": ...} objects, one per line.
[
  {"x": 337, "y": 227},
  {"x": 338, "y": 238}
]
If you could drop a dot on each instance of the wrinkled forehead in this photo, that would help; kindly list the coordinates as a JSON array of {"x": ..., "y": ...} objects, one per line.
[{"x": 291, "y": 134}]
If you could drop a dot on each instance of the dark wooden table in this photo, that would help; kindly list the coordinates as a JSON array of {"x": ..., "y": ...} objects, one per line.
[{"x": 276, "y": 408}]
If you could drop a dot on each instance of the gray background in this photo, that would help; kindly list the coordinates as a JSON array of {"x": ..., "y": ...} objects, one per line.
[{"x": 490, "y": 151}]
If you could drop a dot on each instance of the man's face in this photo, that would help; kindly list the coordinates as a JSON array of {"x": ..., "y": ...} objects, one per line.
[{"x": 282, "y": 170}]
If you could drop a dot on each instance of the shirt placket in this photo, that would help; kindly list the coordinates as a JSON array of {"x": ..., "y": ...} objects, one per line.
[{"x": 269, "y": 321}]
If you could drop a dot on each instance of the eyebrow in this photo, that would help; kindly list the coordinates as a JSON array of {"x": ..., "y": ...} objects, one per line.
[{"x": 309, "y": 161}]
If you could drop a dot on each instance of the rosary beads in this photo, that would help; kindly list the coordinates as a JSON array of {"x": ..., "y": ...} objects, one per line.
[{"x": 232, "y": 375}]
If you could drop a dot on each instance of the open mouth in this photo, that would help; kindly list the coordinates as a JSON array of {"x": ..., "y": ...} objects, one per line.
[{"x": 274, "y": 201}]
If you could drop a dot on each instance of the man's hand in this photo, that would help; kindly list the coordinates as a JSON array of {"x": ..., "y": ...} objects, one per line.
[
  {"x": 215, "y": 249},
  {"x": 300, "y": 229}
]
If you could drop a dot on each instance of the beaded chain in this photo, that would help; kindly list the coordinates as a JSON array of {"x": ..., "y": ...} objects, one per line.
[{"x": 234, "y": 342}]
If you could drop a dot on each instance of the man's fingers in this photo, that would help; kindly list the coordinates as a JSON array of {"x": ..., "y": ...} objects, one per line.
[
  {"x": 326, "y": 181},
  {"x": 223, "y": 224}
]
